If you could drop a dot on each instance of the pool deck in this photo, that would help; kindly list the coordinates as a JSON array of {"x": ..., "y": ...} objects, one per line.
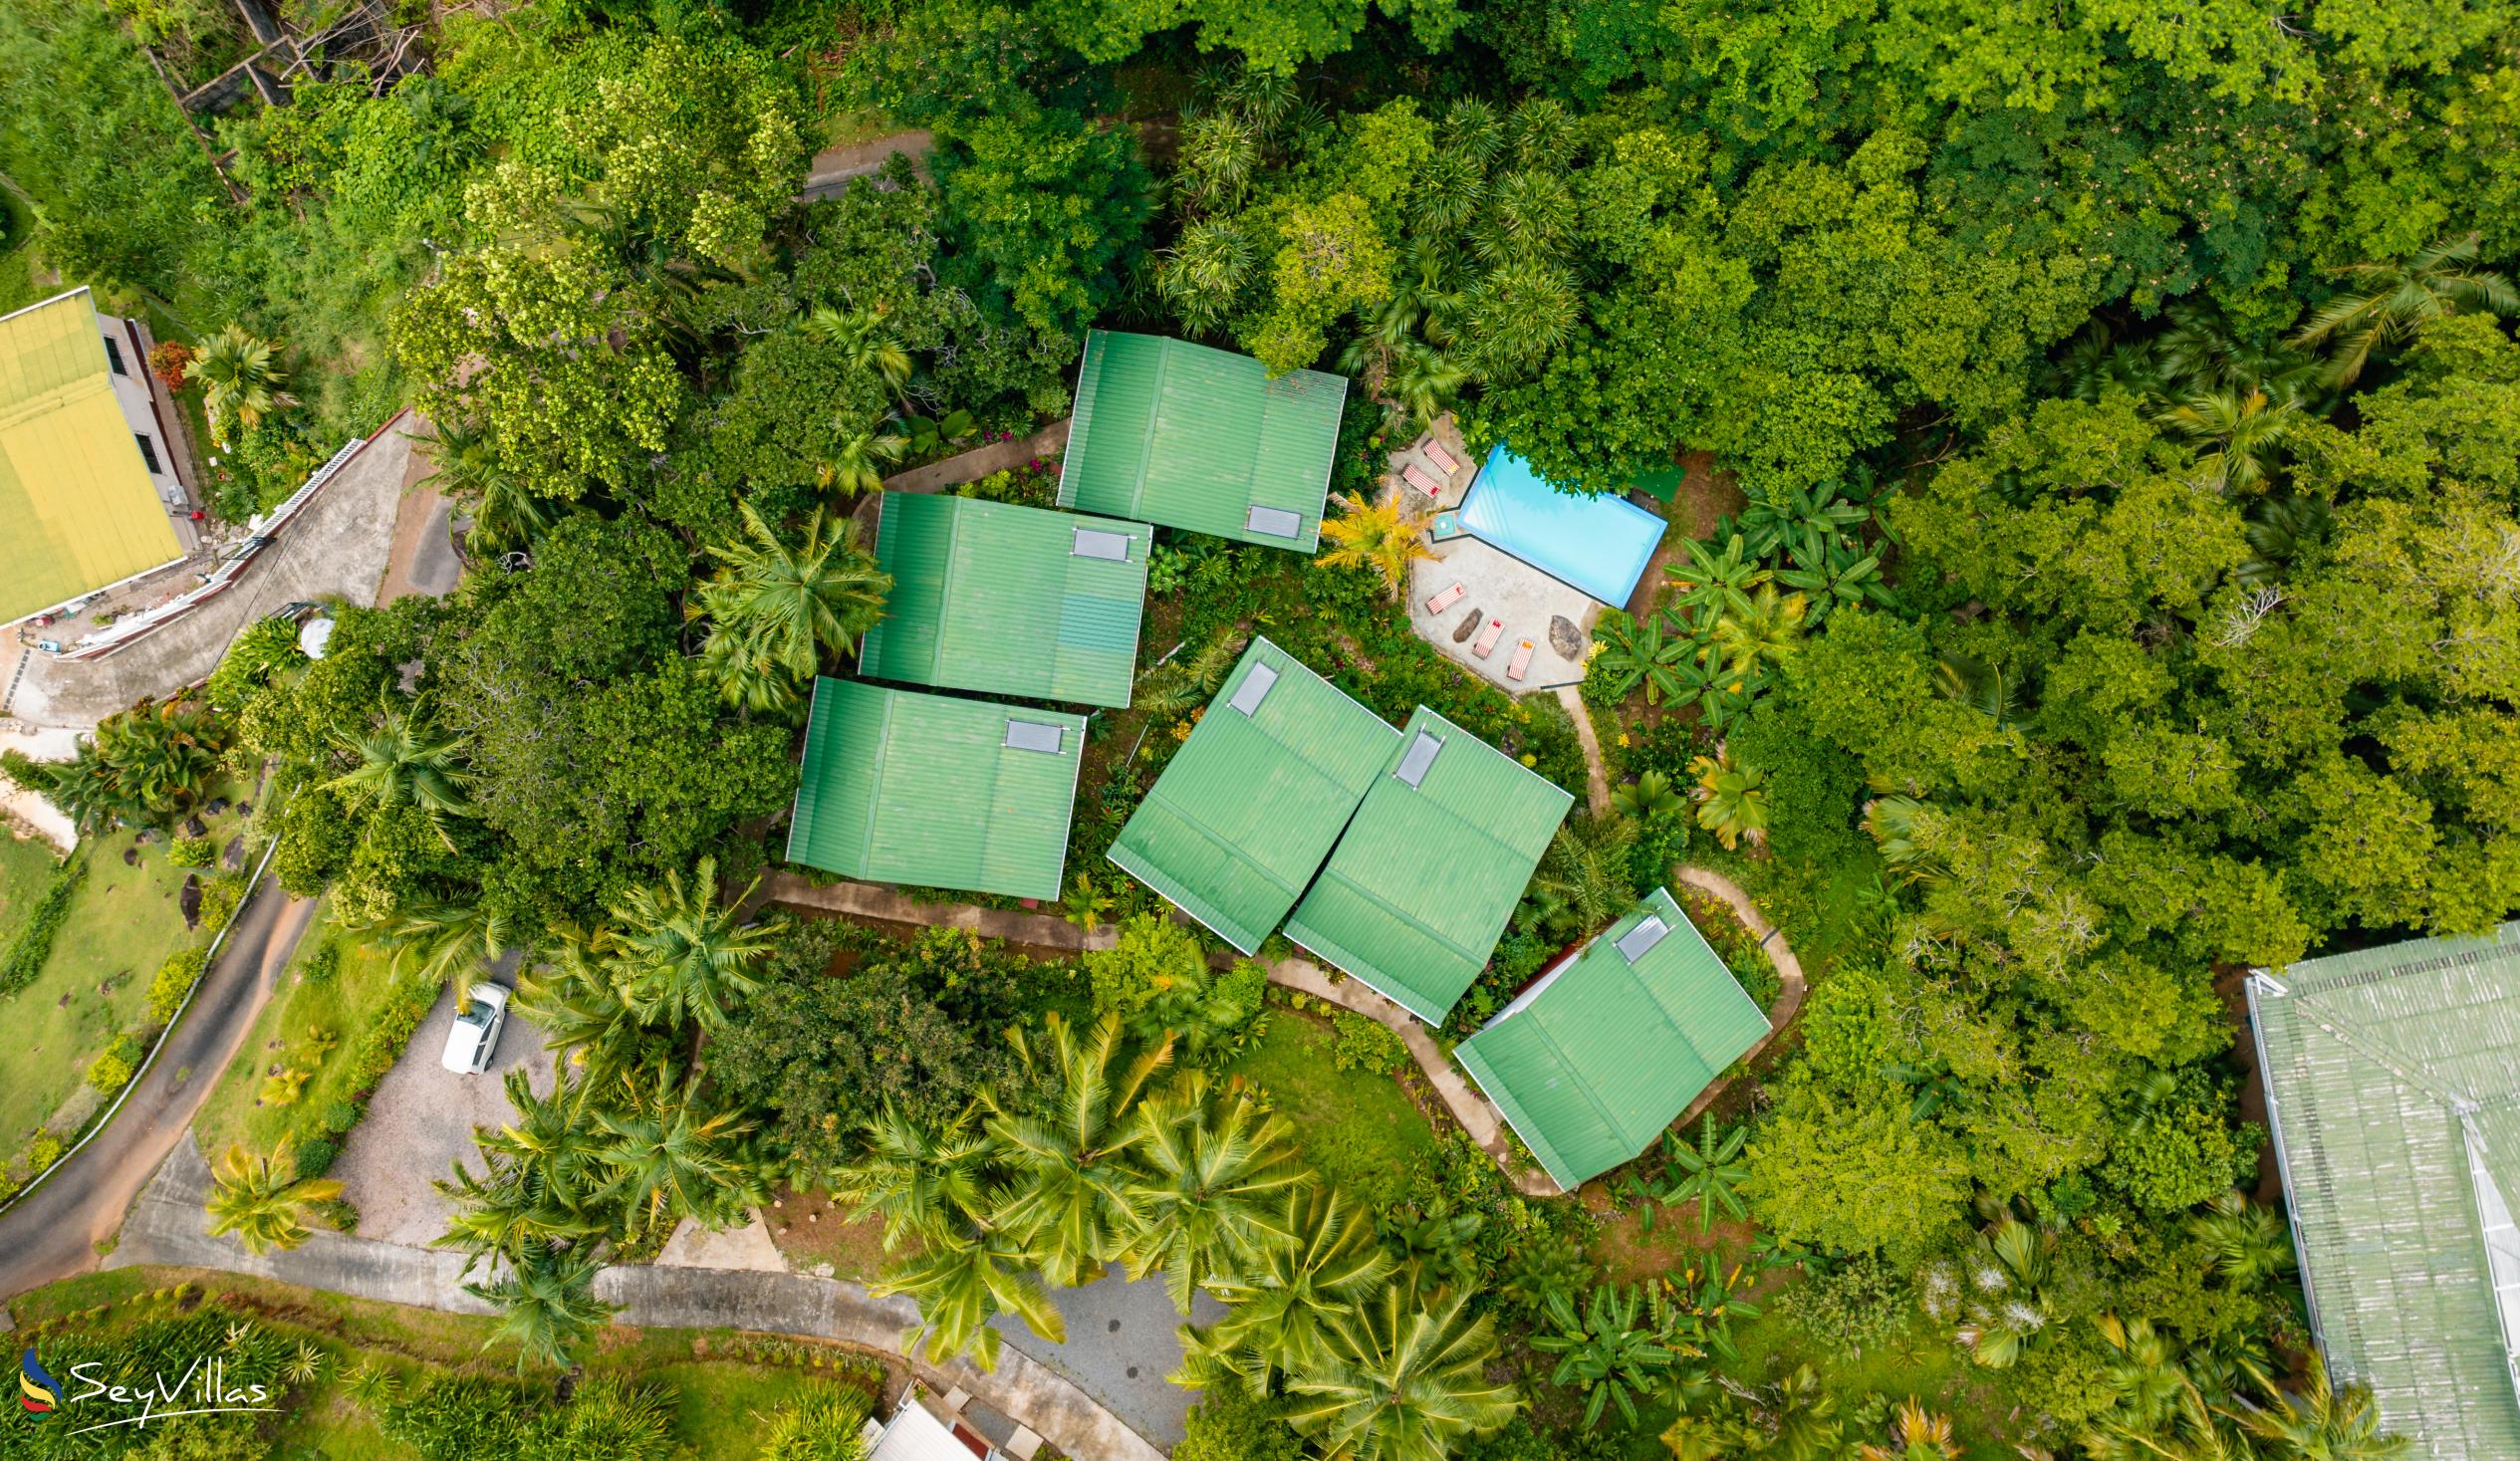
[{"x": 1499, "y": 585}]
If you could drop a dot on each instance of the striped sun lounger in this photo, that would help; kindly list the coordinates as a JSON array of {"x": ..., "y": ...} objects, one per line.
[
  {"x": 1488, "y": 637},
  {"x": 1416, "y": 477},
  {"x": 1435, "y": 454}
]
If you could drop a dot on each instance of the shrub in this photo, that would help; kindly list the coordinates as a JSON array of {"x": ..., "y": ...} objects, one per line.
[
  {"x": 315, "y": 1157},
  {"x": 338, "y": 1116},
  {"x": 112, "y": 1071},
  {"x": 382, "y": 1042},
  {"x": 319, "y": 963},
  {"x": 258, "y": 650},
  {"x": 219, "y": 898},
  {"x": 1157, "y": 979},
  {"x": 1860, "y": 1306},
  {"x": 1362, "y": 1044},
  {"x": 193, "y": 852},
  {"x": 33, "y": 945},
  {"x": 173, "y": 980},
  {"x": 42, "y": 1152}
]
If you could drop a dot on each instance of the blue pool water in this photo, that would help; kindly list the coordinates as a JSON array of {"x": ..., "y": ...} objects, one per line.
[{"x": 1595, "y": 545}]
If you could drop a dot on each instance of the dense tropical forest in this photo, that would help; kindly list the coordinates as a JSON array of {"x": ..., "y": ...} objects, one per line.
[{"x": 2101, "y": 576}]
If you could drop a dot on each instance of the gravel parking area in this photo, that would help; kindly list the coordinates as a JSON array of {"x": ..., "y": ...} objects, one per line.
[
  {"x": 419, "y": 1124},
  {"x": 1123, "y": 1339}
]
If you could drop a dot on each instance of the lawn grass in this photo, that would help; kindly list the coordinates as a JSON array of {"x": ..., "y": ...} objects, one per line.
[
  {"x": 18, "y": 264},
  {"x": 1358, "y": 1127},
  {"x": 339, "y": 1006},
  {"x": 122, "y": 923},
  {"x": 26, "y": 869}
]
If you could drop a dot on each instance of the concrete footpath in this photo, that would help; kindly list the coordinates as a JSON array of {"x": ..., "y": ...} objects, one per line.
[{"x": 168, "y": 1228}]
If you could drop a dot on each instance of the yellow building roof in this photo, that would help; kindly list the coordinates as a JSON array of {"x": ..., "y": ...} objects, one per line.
[{"x": 76, "y": 510}]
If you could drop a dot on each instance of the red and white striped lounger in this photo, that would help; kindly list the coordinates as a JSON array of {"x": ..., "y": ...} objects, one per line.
[
  {"x": 1521, "y": 662},
  {"x": 1414, "y": 477},
  {"x": 1440, "y": 457},
  {"x": 1446, "y": 599},
  {"x": 1488, "y": 637}
]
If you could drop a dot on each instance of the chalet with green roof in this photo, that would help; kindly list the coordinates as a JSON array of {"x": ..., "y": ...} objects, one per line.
[
  {"x": 2392, "y": 1087},
  {"x": 1613, "y": 1042},
  {"x": 936, "y": 790},
  {"x": 1166, "y": 431},
  {"x": 1008, "y": 599},
  {"x": 1419, "y": 890},
  {"x": 1253, "y": 802}
]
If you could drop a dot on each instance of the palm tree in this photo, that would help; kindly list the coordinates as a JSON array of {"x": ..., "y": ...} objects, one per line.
[
  {"x": 2143, "y": 1372},
  {"x": 1732, "y": 801},
  {"x": 1281, "y": 1311},
  {"x": 1582, "y": 881},
  {"x": 1201, "y": 276},
  {"x": 793, "y": 606},
  {"x": 1915, "y": 1434},
  {"x": 861, "y": 451},
  {"x": 677, "y": 956},
  {"x": 820, "y": 1424},
  {"x": 858, "y": 337},
  {"x": 1709, "y": 1175},
  {"x": 1713, "y": 583},
  {"x": 83, "y": 788},
  {"x": 1073, "y": 1203},
  {"x": 669, "y": 1155},
  {"x": 240, "y": 380},
  {"x": 1377, "y": 536},
  {"x": 1211, "y": 1195},
  {"x": 2246, "y": 1240},
  {"x": 2245, "y": 434},
  {"x": 549, "y": 1147},
  {"x": 547, "y": 1305},
  {"x": 164, "y": 756},
  {"x": 1631, "y": 651},
  {"x": 507, "y": 515},
  {"x": 1178, "y": 684},
  {"x": 1605, "y": 1350},
  {"x": 925, "y": 1184},
  {"x": 263, "y": 1200},
  {"x": 1423, "y": 382},
  {"x": 1401, "y": 1384},
  {"x": 2280, "y": 530},
  {"x": 963, "y": 1280},
  {"x": 2322, "y": 1424},
  {"x": 2394, "y": 301},
  {"x": 572, "y": 999},
  {"x": 1085, "y": 903},
  {"x": 435, "y": 941},
  {"x": 401, "y": 762},
  {"x": 499, "y": 1217},
  {"x": 1767, "y": 629}
]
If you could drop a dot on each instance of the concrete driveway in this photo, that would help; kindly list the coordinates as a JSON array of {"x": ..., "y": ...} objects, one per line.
[
  {"x": 1123, "y": 1339},
  {"x": 419, "y": 1124}
]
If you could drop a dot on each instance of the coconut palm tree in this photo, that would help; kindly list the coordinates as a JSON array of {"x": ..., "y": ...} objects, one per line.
[
  {"x": 792, "y": 605},
  {"x": 549, "y": 1147},
  {"x": 1732, "y": 801},
  {"x": 678, "y": 956},
  {"x": 402, "y": 762},
  {"x": 499, "y": 1217},
  {"x": 2388, "y": 302},
  {"x": 1377, "y": 536},
  {"x": 1073, "y": 1202},
  {"x": 924, "y": 1184},
  {"x": 1281, "y": 1309},
  {"x": 83, "y": 788},
  {"x": 864, "y": 448},
  {"x": 240, "y": 380},
  {"x": 2322, "y": 1424},
  {"x": 507, "y": 514},
  {"x": 572, "y": 1000},
  {"x": 2243, "y": 434},
  {"x": 1403, "y": 1383},
  {"x": 1766, "y": 630},
  {"x": 962, "y": 1280},
  {"x": 1423, "y": 382},
  {"x": 263, "y": 1200},
  {"x": 436, "y": 941},
  {"x": 669, "y": 1154},
  {"x": 547, "y": 1305},
  {"x": 1915, "y": 1434},
  {"x": 1211, "y": 1196},
  {"x": 2246, "y": 1240},
  {"x": 859, "y": 339}
]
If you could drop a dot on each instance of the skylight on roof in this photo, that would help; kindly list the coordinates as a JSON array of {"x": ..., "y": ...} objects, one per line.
[
  {"x": 1033, "y": 735},
  {"x": 1254, "y": 689},
  {"x": 1097, "y": 543},
  {"x": 1277, "y": 522},
  {"x": 1419, "y": 756},
  {"x": 1639, "y": 941}
]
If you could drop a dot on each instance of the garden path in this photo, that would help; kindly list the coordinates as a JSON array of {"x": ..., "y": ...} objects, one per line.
[
  {"x": 979, "y": 461},
  {"x": 1596, "y": 774},
  {"x": 829, "y": 174},
  {"x": 1788, "y": 972},
  {"x": 166, "y": 1227}
]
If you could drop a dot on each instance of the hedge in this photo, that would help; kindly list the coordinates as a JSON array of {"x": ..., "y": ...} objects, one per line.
[{"x": 33, "y": 944}]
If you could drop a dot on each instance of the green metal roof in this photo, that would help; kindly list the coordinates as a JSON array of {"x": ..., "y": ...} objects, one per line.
[
  {"x": 77, "y": 508},
  {"x": 1417, "y": 892},
  {"x": 901, "y": 787},
  {"x": 1603, "y": 1051},
  {"x": 1166, "y": 431},
  {"x": 1013, "y": 600},
  {"x": 2393, "y": 1080},
  {"x": 1252, "y": 802}
]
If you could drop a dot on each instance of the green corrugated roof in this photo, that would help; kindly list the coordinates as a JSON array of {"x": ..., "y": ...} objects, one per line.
[
  {"x": 1419, "y": 888},
  {"x": 77, "y": 509},
  {"x": 901, "y": 787},
  {"x": 1600, "y": 1054},
  {"x": 1251, "y": 804},
  {"x": 988, "y": 595},
  {"x": 1166, "y": 431},
  {"x": 2393, "y": 1080}
]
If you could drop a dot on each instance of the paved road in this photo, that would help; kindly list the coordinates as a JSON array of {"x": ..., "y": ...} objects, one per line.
[{"x": 52, "y": 1234}]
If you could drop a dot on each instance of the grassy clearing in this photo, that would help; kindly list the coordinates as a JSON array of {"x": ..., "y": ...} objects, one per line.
[
  {"x": 25, "y": 868},
  {"x": 123, "y": 922},
  {"x": 311, "y": 1007},
  {"x": 811, "y": 1228},
  {"x": 1357, "y": 1126}
]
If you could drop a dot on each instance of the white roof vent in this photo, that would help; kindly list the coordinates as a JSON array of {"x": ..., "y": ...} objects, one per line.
[
  {"x": 1033, "y": 735},
  {"x": 1097, "y": 543},
  {"x": 1419, "y": 756},
  {"x": 1254, "y": 689},
  {"x": 1277, "y": 522},
  {"x": 1640, "y": 940}
]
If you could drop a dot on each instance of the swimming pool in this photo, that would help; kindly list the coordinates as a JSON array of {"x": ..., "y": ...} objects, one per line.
[{"x": 1598, "y": 546}]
